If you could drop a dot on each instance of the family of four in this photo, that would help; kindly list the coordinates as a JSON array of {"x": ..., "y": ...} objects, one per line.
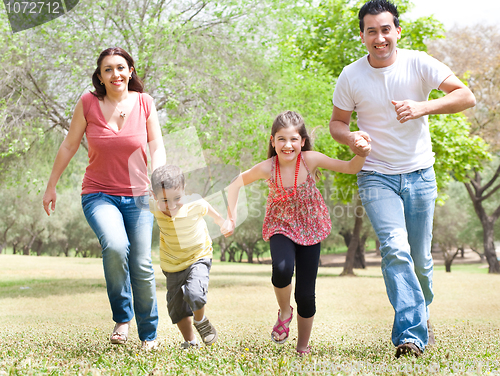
[{"x": 388, "y": 89}]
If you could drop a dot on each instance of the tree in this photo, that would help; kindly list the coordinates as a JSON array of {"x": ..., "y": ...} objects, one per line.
[
  {"x": 202, "y": 67},
  {"x": 450, "y": 222},
  {"x": 473, "y": 53},
  {"x": 456, "y": 225}
]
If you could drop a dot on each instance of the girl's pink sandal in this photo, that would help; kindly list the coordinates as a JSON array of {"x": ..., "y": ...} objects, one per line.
[{"x": 286, "y": 330}]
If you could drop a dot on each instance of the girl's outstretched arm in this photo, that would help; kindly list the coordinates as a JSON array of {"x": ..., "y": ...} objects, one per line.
[
  {"x": 259, "y": 171},
  {"x": 315, "y": 159}
]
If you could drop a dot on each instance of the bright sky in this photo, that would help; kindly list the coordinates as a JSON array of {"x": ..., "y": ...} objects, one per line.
[{"x": 458, "y": 12}]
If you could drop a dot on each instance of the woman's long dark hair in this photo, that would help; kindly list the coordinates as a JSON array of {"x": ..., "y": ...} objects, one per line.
[{"x": 134, "y": 84}]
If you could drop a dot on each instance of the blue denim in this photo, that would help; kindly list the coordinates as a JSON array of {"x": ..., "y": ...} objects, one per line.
[
  {"x": 124, "y": 226},
  {"x": 401, "y": 210}
]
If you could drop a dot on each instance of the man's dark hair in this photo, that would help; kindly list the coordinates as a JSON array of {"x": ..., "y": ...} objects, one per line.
[{"x": 375, "y": 7}]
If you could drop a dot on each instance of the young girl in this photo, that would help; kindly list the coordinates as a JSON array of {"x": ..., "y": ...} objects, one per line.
[{"x": 296, "y": 220}]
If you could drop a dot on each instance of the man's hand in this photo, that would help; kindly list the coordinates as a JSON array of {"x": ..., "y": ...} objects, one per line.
[{"x": 408, "y": 110}]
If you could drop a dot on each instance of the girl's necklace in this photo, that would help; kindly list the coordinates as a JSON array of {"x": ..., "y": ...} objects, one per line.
[{"x": 277, "y": 173}]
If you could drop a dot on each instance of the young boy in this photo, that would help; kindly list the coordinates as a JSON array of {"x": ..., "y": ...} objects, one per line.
[{"x": 185, "y": 252}]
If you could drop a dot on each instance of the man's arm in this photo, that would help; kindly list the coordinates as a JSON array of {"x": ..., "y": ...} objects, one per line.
[
  {"x": 458, "y": 98},
  {"x": 339, "y": 129}
]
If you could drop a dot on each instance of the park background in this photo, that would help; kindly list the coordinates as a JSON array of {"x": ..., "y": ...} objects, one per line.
[{"x": 227, "y": 68}]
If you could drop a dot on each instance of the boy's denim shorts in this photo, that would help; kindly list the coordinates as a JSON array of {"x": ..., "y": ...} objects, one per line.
[{"x": 187, "y": 290}]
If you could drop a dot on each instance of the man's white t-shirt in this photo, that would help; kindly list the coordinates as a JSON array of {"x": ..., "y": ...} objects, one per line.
[{"x": 396, "y": 148}]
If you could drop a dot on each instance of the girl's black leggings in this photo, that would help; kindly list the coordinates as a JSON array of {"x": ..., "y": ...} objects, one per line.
[{"x": 285, "y": 254}]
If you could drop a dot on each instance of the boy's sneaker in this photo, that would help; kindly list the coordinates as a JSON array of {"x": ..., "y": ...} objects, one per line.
[
  {"x": 207, "y": 332},
  {"x": 189, "y": 344}
]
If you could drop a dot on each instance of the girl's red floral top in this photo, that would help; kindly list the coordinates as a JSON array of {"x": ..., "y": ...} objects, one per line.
[{"x": 303, "y": 217}]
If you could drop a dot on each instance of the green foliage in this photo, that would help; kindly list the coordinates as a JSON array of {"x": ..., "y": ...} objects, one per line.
[
  {"x": 227, "y": 68},
  {"x": 457, "y": 154},
  {"x": 417, "y": 33},
  {"x": 330, "y": 35}
]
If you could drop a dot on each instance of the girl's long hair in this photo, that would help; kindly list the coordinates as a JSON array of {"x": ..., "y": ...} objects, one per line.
[
  {"x": 134, "y": 84},
  {"x": 289, "y": 119}
]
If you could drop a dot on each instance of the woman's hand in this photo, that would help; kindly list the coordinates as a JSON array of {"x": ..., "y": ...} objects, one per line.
[{"x": 49, "y": 200}]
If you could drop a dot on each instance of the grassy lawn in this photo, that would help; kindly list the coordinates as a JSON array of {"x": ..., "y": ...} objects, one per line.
[{"x": 55, "y": 319}]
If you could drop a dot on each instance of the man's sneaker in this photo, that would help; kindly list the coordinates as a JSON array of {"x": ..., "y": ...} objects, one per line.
[
  {"x": 408, "y": 349},
  {"x": 207, "y": 332}
]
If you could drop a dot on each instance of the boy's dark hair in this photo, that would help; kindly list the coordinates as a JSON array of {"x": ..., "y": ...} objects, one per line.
[
  {"x": 375, "y": 7},
  {"x": 167, "y": 177}
]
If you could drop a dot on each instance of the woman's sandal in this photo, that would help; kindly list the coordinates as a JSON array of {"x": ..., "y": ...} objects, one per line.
[
  {"x": 119, "y": 338},
  {"x": 286, "y": 330}
]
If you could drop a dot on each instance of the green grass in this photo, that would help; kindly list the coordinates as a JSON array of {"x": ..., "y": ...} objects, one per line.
[{"x": 55, "y": 319}]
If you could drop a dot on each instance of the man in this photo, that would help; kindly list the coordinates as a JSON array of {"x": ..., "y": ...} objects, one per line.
[{"x": 389, "y": 89}]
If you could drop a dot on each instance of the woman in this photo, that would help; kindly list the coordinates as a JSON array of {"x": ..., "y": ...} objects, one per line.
[{"x": 119, "y": 120}]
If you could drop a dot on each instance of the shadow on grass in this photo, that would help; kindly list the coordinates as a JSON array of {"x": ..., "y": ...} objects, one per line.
[
  {"x": 322, "y": 275},
  {"x": 40, "y": 288},
  {"x": 229, "y": 283},
  {"x": 240, "y": 273}
]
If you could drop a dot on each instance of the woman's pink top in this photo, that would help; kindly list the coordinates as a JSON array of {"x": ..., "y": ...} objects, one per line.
[
  {"x": 117, "y": 159},
  {"x": 303, "y": 217}
]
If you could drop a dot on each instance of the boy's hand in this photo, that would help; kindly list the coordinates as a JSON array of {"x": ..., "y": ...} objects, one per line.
[{"x": 227, "y": 227}]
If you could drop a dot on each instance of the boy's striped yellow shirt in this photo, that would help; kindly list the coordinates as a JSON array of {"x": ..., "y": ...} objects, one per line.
[{"x": 184, "y": 238}]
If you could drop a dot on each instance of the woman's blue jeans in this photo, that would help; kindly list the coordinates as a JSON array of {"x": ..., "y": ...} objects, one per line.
[
  {"x": 401, "y": 210},
  {"x": 124, "y": 226}
]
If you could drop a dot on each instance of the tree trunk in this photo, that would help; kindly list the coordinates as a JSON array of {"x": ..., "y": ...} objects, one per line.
[
  {"x": 448, "y": 259},
  {"x": 447, "y": 265},
  {"x": 489, "y": 247},
  {"x": 249, "y": 251},
  {"x": 354, "y": 243},
  {"x": 478, "y": 194},
  {"x": 481, "y": 255},
  {"x": 224, "y": 246},
  {"x": 4, "y": 237},
  {"x": 37, "y": 247},
  {"x": 231, "y": 255},
  {"x": 14, "y": 247},
  {"x": 359, "y": 258}
]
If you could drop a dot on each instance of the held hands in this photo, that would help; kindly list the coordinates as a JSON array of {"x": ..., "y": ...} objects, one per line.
[
  {"x": 227, "y": 227},
  {"x": 408, "y": 110},
  {"x": 360, "y": 143}
]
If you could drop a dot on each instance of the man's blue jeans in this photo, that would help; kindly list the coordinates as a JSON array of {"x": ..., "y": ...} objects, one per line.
[
  {"x": 123, "y": 226},
  {"x": 401, "y": 210}
]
